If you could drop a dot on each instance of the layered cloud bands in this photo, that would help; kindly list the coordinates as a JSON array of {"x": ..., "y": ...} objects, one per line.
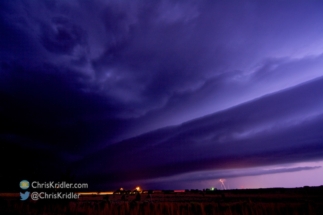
[{"x": 284, "y": 127}]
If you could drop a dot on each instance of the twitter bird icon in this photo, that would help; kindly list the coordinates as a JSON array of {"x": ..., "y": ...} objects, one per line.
[{"x": 24, "y": 196}]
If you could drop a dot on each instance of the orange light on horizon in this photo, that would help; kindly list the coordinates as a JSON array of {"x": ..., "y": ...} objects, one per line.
[
  {"x": 88, "y": 193},
  {"x": 179, "y": 191},
  {"x": 106, "y": 193},
  {"x": 95, "y": 193}
]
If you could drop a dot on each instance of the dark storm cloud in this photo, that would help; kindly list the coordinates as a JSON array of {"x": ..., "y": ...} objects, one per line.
[
  {"x": 145, "y": 56},
  {"x": 77, "y": 76},
  {"x": 46, "y": 104},
  {"x": 284, "y": 127},
  {"x": 49, "y": 120}
]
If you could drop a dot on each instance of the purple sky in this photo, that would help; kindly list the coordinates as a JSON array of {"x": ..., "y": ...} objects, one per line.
[{"x": 165, "y": 94}]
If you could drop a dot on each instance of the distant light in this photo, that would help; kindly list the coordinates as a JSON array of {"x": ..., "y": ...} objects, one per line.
[
  {"x": 106, "y": 193},
  {"x": 95, "y": 193},
  {"x": 88, "y": 193},
  {"x": 138, "y": 188},
  {"x": 121, "y": 188},
  {"x": 212, "y": 188}
]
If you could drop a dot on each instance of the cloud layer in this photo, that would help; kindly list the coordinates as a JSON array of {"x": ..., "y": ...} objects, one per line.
[
  {"x": 284, "y": 127},
  {"x": 86, "y": 83}
]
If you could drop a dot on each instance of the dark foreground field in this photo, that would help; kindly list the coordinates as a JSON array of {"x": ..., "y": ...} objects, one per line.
[{"x": 307, "y": 200}]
